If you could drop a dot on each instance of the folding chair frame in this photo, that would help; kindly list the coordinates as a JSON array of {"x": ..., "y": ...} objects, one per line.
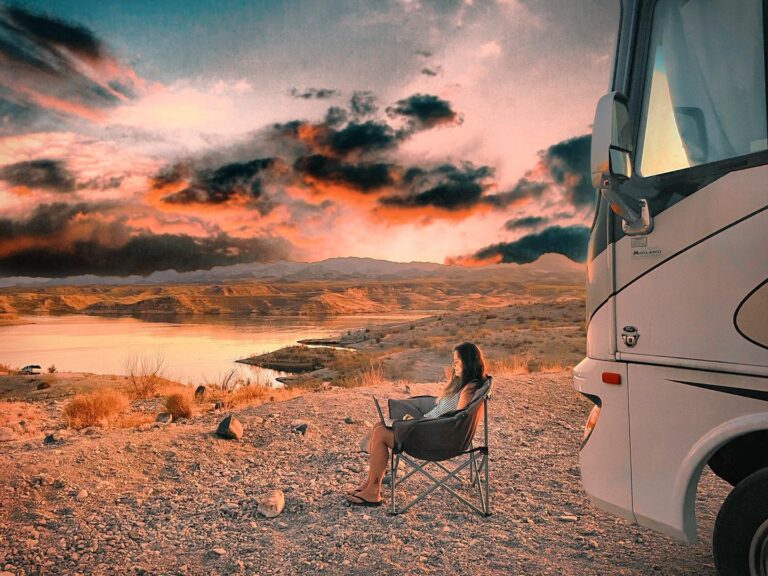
[{"x": 477, "y": 462}]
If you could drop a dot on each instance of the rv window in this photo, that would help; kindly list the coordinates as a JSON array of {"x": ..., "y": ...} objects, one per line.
[{"x": 705, "y": 87}]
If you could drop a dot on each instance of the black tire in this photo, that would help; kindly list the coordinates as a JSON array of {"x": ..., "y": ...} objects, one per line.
[{"x": 740, "y": 540}]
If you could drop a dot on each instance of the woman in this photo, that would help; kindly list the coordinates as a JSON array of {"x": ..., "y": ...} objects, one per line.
[{"x": 468, "y": 375}]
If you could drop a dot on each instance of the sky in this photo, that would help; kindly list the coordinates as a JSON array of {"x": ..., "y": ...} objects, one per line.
[{"x": 143, "y": 136}]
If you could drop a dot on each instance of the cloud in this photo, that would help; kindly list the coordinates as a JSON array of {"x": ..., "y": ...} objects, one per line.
[
  {"x": 64, "y": 239},
  {"x": 362, "y": 137},
  {"x": 525, "y": 222},
  {"x": 425, "y": 111},
  {"x": 446, "y": 187},
  {"x": 364, "y": 177},
  {"x": 490, "y": 49},
  {"x": 363, "y": 104},
  {"x": 314, "y": 93},
  {"x": 52, "y": 66},
  {"x": 42, "y": 174},
  {"x": 568, "y": 163},
  {"x": 570, "y": 241},
  {"x": 236, "y": 179},
  {"x": 431, "y": 71}
]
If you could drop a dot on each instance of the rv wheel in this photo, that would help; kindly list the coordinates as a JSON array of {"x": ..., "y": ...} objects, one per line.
[{"x": 740, "y": 541}]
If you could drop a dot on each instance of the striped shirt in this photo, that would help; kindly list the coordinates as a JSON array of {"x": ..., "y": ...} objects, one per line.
[{"x": 444, "y": 405}]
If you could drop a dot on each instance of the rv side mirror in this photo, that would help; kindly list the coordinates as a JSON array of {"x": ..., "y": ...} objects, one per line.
[{"x": 611, "y": 162}]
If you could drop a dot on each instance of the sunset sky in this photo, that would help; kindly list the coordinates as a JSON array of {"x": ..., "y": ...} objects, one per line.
[{"x": 142, "y": 136}]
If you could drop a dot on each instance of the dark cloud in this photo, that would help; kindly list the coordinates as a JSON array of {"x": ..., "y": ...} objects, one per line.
[
  {"x": 527, "y": 222},
  {"x": 219, "y": 185},
  {"x": 563, "y": 167},
  {"x": 363, "y": 104},
  {"x": 425, "y": 110},
  {"x": 570, "y": 241},
  {"x": 568, "y": 163},
  {"x": 430, "y": 72},
  {"x": 43, "y": 174},
  {"x": 362, "y": 177},
  {"x": 68, "y": 239},
  {"x": 523, "y": 190},
  {"x": 48, "y": 30},
  {"x": 446, "y": 187},
  {"x": 314, "y": 93},
  {"x": 362, "y": 137},
  {"x": 53, "y": 67},
  {"x": 424, "y": 53},
  {"x": 336, "y": 117}
]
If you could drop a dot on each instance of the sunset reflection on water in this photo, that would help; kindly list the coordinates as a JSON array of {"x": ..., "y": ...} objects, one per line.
[{"x": 195, "y": 349}]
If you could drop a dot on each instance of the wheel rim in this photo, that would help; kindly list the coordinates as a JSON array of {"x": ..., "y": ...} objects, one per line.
[{"x": 758, "y": 552}]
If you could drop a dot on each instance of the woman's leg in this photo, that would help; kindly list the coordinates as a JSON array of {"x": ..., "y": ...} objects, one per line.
[
  {"x": 367, "y": 480},
  {"x": 382, "y": 439}
]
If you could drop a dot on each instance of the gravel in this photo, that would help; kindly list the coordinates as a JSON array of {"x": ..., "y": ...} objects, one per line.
[{"x": 179, "y": 500}]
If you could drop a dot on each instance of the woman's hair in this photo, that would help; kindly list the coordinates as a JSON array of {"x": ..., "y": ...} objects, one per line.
[{"x": 472, "y": 367}]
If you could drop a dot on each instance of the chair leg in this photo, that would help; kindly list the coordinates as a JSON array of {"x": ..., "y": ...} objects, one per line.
[
  {"x": 487, "y": 503},
  {"x": 393, "y": 464}
]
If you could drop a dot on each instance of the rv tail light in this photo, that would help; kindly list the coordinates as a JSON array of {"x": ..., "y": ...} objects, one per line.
[
  {"x": 611, "y": 378},
  {"x": 591, "y": 423}
]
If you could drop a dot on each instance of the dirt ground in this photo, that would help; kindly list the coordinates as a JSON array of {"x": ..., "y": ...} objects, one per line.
[{"x": 175, "y": 499}]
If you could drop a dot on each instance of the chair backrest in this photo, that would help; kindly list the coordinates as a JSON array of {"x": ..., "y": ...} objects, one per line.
[{"x": 445, "y": 437}]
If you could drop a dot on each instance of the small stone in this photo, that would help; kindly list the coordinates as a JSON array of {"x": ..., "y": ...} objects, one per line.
[
  {"x": 230, "y": 428},
  {"x": 200, "y": 392},
  {"x": 164, "y": 418},
  {"x": 7, "y": 434},
  {"x": 255, "y": 421},
  {"x": 271, "y": 504},
  {"x": 349, "y": 420},
  {"x": 568, "y": 518},
  {"x": 90, "y": 431},
  {"x": 219, "y": 551},
  {"x": 82, "y": 495}
]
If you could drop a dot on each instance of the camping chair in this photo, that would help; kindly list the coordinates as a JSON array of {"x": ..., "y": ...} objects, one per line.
[{"x": 434, "y": 441}]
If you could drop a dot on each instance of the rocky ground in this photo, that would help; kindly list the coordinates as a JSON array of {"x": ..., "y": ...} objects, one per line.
[{"x": 176, "y": 499}]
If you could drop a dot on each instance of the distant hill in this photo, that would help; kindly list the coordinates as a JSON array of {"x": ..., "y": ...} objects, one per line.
[{"x": 549, "y": 268}]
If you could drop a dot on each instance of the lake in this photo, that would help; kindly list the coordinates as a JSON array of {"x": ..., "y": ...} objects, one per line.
[{"x": 194, "y": 349}]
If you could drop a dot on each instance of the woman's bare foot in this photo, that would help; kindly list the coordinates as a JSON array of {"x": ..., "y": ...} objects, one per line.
[{"x": 360, "y": 488}]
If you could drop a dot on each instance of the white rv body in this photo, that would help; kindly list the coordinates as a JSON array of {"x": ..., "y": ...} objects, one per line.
[{"x": 679, "y": 314}]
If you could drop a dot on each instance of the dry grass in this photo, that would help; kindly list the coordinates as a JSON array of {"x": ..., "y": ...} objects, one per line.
[
  {"x": 509, "y": 366},
  {"x": 144, "y": 373},
  {"x": 133, "y": 419},
  {"x": 180, "y": 405},
  {"x": 8, "y": 369},
  {"x": 372, "y": 376},
  {"x": 94, "y": 409}
]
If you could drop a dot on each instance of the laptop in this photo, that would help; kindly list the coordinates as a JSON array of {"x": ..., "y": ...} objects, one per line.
[{"x": 386, "y": 421}]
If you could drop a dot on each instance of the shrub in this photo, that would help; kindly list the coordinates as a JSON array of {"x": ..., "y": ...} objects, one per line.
[
  {"x": 52, "y": 369},
  {"x": 144, "y": 373},
  {"x": 94, "y": 409},
  {"x": 179, "y": 405}
]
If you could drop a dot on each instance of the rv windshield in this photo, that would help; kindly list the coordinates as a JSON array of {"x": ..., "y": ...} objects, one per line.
[{"x": 705, "y": 89}]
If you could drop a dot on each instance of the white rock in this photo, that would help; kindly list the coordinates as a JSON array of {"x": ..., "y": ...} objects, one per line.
[
  {"x": 272, "y": 503},
  {"x": 7, "y": 434}
]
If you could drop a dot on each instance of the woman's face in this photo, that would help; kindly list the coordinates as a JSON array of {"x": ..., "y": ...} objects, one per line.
[{"x": 457, "y": 365}]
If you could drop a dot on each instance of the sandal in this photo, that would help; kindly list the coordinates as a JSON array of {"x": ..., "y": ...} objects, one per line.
[{"x": 360, "y": 501}]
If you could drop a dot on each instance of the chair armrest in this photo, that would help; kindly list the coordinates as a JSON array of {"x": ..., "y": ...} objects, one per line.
[{"x": 416, "y": 406}]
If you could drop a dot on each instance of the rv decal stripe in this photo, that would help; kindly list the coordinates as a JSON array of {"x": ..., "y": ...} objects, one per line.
[
  {"x": 699, "y": 241},
  {"x": 746, "y": 392}
]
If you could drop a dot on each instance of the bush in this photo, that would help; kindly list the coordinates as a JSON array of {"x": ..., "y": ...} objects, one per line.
[
  {"x": 144, "y": 373},
  {"x": 94, "y": 409},
  {"x": 179, "y": 405},
  {"x": 52, "y": 369}
]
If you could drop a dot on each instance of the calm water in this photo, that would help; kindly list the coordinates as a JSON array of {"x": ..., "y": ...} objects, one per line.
[{"x": 194, "y": 349}]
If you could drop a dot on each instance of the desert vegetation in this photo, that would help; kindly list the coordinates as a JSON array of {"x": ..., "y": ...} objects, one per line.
[{"x": 98, "y": 408}]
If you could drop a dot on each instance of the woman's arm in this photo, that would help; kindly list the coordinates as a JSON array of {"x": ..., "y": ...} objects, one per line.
[{"x": 465, "y": 397}]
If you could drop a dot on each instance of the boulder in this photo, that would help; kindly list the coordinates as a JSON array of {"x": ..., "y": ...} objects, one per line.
[
  {"x": 164, "y": 418},
  {"x": 7, "y": 434},
  {"x": 200, "y": 392},
  {"x": 56, "y": 436},
  {"x": 43, "y": 386},
  {"x": 272, "y": 503},
  {"x": 230, "y": 428},
  {"x": 302, "y": 428}
]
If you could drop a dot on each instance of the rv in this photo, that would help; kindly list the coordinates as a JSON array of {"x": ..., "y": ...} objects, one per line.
[{"x": 677, "y": 275}]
